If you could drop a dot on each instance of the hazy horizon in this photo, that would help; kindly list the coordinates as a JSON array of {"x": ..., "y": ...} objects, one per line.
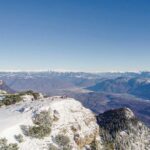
[{"x": 62, "y": 70}]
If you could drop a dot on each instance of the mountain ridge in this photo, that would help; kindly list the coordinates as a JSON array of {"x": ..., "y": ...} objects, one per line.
[{"x": 68, "y": 125}]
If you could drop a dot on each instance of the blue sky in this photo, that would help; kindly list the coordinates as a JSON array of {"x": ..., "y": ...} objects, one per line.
[{"x": 84, "y": 35}]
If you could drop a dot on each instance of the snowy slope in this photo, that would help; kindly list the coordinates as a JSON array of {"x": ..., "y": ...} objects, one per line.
[{"x": 71, "y": 114}]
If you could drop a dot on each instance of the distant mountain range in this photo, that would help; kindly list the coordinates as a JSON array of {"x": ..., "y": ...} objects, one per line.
[
  {"x": 137, "y": 86},
  {"x": 50, "y": 81},
  {"x": 97, "y": 91}
]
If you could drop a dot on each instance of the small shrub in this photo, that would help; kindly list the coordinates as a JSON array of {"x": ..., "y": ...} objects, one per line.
[
  {"x": 108, "y": 146},
  {"x": 52, "y": 147},
  {"x": 42, "y": 126},
  {"x": 3, "y": 141},
  {"x": 25, "y": 130},
  {"x": 5, "y": 146},
  {"x": 1, "y": 103},
  {"x": 62, "y": 140},
  {"x": 15, "y": 98},
  {"x": 13, "y": 146},
  {"x": 11, "y": 99},
  {"x": 30, "y": 92},
  {"x": 36, "y": 95},
  {"x": 19, "y": 138},
  {"x": 39, "y": 131},
  {"x": 43, "y": 119},
  {"x": 93, "y": 146},
  {"x": 67, "y": 147}
]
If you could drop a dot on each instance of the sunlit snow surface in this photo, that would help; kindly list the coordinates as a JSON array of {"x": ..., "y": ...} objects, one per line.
[{"x": 71, "y": 113}]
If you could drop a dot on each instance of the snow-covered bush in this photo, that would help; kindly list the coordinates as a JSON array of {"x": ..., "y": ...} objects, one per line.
[
  {"x": 39, "y": 131},
  {"x": 62, "y": 140},
  {"x": 3, "y": 141},
  {"x": 11, "y": 99},
  {"x": 19, "y": 138},
  {"x": 1, "y": 103},
  {"x": 52, "y": 147},
  {"x": 7, "y": 146},
  {"x": 42, "y": 127},
  {"x": 67, "y": 147},
  {"x": 94, "y": 146},
  {"x": 43, "y": 119},
  {"x": 30, "y": 92}
]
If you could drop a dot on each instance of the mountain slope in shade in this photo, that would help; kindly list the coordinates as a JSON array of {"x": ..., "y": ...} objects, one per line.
[
  {"x": 100, "y": 102},
  {"x": 120, "y": 129},
  {"x": 139, "y": 87}
]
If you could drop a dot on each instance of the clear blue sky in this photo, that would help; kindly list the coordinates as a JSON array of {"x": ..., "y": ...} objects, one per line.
[{"x": 86, "y": 35}]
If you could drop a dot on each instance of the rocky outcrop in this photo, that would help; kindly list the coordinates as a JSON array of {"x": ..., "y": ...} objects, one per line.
[{"x": 121, "y": 130}]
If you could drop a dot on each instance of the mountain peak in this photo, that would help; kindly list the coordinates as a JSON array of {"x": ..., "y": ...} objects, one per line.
[
  {"x": 116, "y": 119},
  {"x": 122, "y": 126}
]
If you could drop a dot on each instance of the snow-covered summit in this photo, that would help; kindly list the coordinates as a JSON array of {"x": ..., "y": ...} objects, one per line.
[{"x": 69, "y": 117}]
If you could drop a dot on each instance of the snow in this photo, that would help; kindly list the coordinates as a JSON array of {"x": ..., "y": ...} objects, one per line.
[
  {"x": 129, "y": 114},
  {"x": 70, "y": 113},
  {"x": 2, "y": 92},
  {"x": 2, "y": 97},
  {"x": 27, "y": 97}
]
